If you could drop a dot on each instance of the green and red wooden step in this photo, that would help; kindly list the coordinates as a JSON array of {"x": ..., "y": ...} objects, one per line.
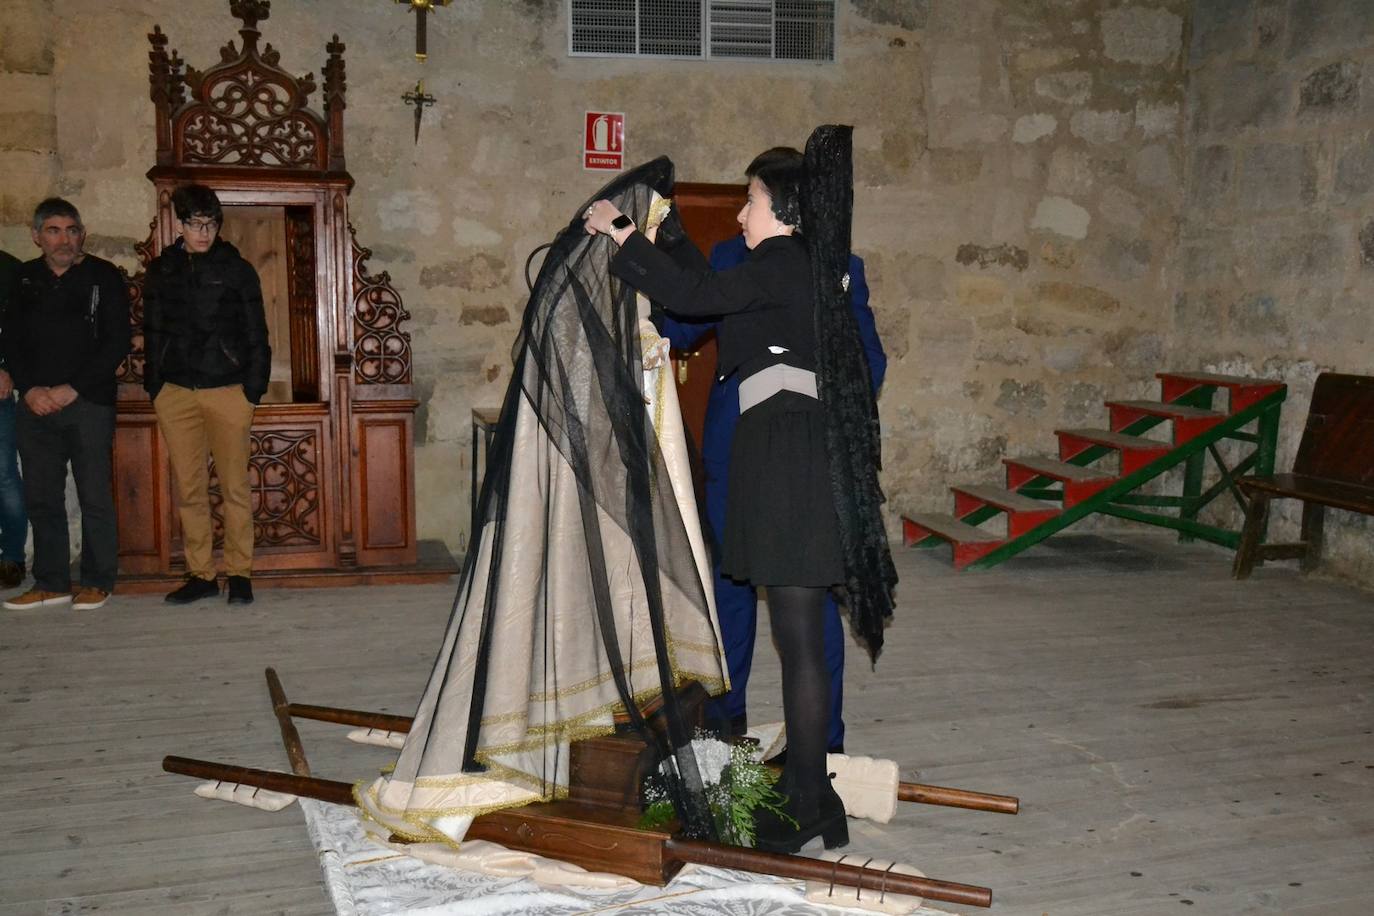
[{"x": 1078, "y": 483}]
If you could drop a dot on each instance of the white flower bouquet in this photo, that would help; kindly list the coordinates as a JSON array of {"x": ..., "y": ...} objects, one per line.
[{"x": 736, "y": 785}]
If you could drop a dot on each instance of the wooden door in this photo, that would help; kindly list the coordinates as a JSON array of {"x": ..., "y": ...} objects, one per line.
[{"x": 708, "y": 214}]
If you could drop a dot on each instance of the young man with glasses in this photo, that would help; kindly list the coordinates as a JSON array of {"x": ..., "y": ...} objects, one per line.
[
  {"x": 66, "y": 330},
  {"x": 207, "y": 366}
]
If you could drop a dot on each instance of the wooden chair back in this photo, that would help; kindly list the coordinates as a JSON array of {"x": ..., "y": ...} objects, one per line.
[{"x": 1338, "y": 441}]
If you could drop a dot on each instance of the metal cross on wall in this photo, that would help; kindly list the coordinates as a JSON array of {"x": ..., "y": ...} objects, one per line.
[
  {"x": 422, "y": 9},
  {"x": 419, "y": 98}
]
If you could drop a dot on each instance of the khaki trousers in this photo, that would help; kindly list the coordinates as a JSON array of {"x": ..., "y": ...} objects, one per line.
[{"x": 199, "y": 423}]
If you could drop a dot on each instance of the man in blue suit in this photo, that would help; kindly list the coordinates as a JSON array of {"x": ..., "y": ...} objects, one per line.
[{"x": 736, "y": 602}]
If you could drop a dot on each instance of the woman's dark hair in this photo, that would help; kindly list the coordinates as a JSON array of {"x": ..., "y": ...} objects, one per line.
[
  {"x": 780, "y": 171},
  {"x": 196, "y": 200}
]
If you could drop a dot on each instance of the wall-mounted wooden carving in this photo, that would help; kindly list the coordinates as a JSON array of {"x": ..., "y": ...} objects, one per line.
[
  {"x": 381, "y": 350},
  {"x": 131, "y": 370}
]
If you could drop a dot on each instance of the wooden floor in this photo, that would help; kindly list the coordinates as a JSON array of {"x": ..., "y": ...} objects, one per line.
[{"x": 1180, "y": 742}]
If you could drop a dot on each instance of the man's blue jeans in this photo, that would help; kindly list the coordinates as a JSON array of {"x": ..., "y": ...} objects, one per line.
[{"x": 14, "y": 522}]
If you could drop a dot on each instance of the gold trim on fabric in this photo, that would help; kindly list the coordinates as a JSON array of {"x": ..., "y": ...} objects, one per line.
[
  {"x": 373, "y": 861},
  {"x": 703, "y": 647},
  {"x": 368, "y": 801},
  {"x": 658, "y": 408},
  {"x": 573, "y": 726},
  {"x": 635, "y": 667},
  {"x": 658, "y": 211}
]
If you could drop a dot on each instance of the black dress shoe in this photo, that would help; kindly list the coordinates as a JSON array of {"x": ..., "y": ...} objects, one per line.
[
  {"x": 826, "y": 820},
  {"x": 11, "y": 574},
  {"x": 193, "y": 589},
  {"x": 240, "y": 590}
]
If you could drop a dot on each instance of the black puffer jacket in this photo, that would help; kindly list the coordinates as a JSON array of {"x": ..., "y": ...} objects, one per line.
[{"x": 203, "y": 322}]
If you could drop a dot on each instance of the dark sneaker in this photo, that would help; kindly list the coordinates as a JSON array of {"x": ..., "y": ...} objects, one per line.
[
  {"x": 37, "y": 597},
  {"x": 11, "y": 574},
  {"x": 240, "y": 590},
  {"x": 194, "y": 589}
]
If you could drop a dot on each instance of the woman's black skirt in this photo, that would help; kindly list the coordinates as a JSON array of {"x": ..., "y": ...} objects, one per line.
[{"x": 780, "y": 523}]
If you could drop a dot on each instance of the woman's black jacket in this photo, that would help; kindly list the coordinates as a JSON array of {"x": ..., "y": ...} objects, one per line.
[{"x": 203, "y": 322}]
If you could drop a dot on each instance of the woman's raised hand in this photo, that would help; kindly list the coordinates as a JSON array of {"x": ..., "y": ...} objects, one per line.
[{"x": 599, "y": 217}]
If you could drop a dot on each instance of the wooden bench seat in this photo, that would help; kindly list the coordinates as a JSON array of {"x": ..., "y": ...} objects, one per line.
[
  {"x": 1334, "y": 467},
  {"x": 1336, "y": 494}
]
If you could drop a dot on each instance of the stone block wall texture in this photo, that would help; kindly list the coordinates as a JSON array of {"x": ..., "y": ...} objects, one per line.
[
  {"x": 1276, "y": 246},
  {"x": 1031, "y": 180}
]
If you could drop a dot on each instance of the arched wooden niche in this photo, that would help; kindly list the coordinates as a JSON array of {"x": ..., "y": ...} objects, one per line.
[{"x": 332, "y": 466}]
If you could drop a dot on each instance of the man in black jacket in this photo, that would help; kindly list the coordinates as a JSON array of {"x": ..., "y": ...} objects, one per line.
[
  {"x": 66, "y": 331},
  {"x": 14, "y": 523},
  {"x": 207, "y": 365}
]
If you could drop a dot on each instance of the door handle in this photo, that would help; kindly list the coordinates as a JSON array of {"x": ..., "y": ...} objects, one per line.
[{"x": 682, "y": 372}]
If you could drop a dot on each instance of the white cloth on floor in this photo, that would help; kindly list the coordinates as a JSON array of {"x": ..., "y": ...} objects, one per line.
[{"x": 366, "y": 879}]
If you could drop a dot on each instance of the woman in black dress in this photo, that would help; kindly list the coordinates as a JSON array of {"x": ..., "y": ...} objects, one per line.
[{"x": 803, "y": 497}]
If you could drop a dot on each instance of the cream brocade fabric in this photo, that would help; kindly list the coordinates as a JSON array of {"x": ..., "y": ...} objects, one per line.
[{"x": 546, "y": 600}]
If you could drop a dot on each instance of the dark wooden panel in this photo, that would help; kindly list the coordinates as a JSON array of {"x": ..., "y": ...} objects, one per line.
[
  {"x": 1338, "y": 442},
  {"x": 290, "y": 466},
  {"x": 140, "y": 494},
  {"x": 381, "y": 460},
  {"x": 708, "y": 214},
  {"x": 384, "y": 492},
  {"x": 709, "y": 211}
]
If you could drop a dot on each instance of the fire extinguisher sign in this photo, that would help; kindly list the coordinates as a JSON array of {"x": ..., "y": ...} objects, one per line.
[{"x": 603, "y": 141}]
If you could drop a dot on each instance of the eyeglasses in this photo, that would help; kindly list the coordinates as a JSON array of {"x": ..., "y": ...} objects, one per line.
[{"x": 200, "y": 225}]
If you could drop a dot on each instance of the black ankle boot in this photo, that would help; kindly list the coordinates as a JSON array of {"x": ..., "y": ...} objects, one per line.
[{"x": 822, "y": 818}]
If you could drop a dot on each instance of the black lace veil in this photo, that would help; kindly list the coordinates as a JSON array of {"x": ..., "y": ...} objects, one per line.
[{"x": 842, "y": 377}]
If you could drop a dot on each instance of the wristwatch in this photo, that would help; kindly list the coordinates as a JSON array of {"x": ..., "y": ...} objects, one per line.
[{"x": 621, "y": 222}]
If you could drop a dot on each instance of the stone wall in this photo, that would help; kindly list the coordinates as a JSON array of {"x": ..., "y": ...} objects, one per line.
[
  {"x": 28, "y": 137},
  {"x": 1276, "y": 266},
  {"x": 1021, "y": 171},
  {"x": 1040, "y": 217}
]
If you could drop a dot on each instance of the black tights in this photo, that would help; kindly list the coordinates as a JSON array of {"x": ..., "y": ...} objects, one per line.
[{"x": 797, "y": 617}]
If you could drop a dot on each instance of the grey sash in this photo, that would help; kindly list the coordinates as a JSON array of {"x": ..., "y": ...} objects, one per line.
[{"x": 762, "y": 385}]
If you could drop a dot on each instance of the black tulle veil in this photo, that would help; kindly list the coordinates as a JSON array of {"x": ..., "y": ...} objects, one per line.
[
  {"x": 593, "y": 411},
  {"x": 578, "y": 373}
]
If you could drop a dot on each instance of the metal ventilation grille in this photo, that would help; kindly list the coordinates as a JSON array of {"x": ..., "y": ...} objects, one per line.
[
  {"x": 602, "y": 27},
  {"x": 802, "y": 30},
  {"x": 670, "y": 28},
  {"x": 741, "y": 28}
]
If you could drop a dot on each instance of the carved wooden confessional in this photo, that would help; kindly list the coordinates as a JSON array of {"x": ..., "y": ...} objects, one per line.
[{"x": 332, "y": 455}]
